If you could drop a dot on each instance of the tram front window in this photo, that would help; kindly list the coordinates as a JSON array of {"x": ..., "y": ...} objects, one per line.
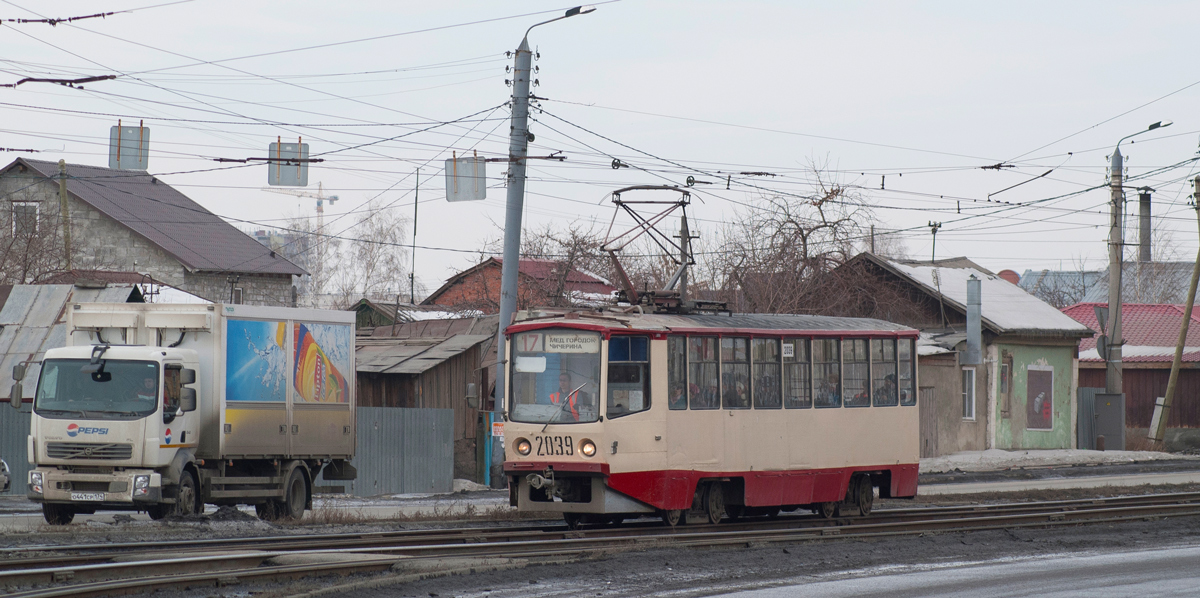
[{"x": 555, "y": 377}]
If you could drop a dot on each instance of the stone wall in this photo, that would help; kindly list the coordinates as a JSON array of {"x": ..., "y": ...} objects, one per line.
[{"x": 257, "y": 289}]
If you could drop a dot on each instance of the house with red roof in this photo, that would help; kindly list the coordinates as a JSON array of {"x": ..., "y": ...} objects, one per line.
[
  {"x": 539, "y": 283},
  {"x": 1151, "y": 332}
]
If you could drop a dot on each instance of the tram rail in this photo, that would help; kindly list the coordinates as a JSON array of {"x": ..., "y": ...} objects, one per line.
[{"x": 108, "y": 569}]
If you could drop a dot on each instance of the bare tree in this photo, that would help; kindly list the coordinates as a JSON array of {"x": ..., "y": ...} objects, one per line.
[
  {"x": 31, "y": 243},
  {"x": 371, "y": 261}
]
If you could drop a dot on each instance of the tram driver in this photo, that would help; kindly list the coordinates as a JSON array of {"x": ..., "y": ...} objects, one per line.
[{"x": 567, "y": 400}]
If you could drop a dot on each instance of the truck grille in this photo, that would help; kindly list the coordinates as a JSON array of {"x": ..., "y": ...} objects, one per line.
[{"x": 88, "y": 450}]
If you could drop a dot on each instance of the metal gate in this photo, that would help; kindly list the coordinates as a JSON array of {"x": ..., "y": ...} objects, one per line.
[
  {"x": 928, "y": 413},
  {"x": 402, "y": 451},
  {"x": 14, "y": 432}
]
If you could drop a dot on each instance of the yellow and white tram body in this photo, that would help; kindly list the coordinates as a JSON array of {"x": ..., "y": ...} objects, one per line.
[{"x": 615, "y": 415}]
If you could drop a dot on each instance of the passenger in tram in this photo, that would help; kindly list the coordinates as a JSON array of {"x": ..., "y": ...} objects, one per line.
[
  {"x": 574, "y": 400},
  {"x": 885, "y": 394},
  {"x": 829, "y": 394},
  {"x": 734, "y": 394},
  {"x": 677, "y": 400}
]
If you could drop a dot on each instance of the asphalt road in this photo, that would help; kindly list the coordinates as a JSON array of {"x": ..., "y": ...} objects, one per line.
[{"x": 1165, "y": 572}]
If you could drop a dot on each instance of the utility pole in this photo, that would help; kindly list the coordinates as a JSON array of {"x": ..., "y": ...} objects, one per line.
[
  {"x": 933, "y": 228},
  {"x": 412, "y": 272},
  {"x": 518, "y": 149},
  {"x": 1157, "y": 432},
  {"x": 66, "y": 216},
  {"x": 1113, "y": 378}
]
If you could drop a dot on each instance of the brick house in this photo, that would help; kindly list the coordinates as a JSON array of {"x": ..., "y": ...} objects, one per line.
[
  {"x": 539, "y": 283},
  {"x": 130, "y": 221}
]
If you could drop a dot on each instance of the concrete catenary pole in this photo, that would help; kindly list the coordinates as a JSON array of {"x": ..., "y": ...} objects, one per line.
[
  {"x": 1145, "y": 255},
  {"x": 1158, "y": 432},
  {"x": 1113, "y": 376},
  {"x": 518, "y": 150},
  {"x": 63, "y": 208}
]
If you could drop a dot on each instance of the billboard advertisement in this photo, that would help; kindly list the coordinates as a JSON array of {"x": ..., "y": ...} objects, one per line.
[
  {"x": 322, "y": 362},
  {"x": 255, "y": 360}
]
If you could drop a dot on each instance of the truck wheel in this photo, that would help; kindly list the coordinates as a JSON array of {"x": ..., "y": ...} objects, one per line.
[
  {"x": 295, "y": 496},
  {"x": 267, "y": 511},
  {"x": 58, "y": 514},
  {"x": 185, "y": 498}
]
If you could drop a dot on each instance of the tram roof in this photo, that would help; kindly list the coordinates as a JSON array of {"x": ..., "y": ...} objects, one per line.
[{"x": 727, "y": 323}]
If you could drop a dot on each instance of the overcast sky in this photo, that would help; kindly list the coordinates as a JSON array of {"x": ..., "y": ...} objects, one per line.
[{"x": 924, "y": 93}]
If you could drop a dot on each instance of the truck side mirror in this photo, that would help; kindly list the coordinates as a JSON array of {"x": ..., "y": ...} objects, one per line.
[
  {"x": 14, "y": 396},
  {"x": 187, "y": 376},
  {"x": 19, "y": 372},
  {"x": 472, "y": 396},
  {"x": 187, "y": 399}
]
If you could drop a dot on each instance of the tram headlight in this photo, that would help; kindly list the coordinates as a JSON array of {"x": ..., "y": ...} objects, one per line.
[
  {"x": 523, "y": 446},
  {"x": 588, "y": 448}
]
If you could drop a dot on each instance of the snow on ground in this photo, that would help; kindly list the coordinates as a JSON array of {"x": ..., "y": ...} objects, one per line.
[{"x": 996, "y": 459}]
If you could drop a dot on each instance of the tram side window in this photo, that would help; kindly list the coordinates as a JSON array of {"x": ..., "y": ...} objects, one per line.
[
  {"x": 764, "y": 354},
  {"x": 797, "y": 381},
  {"x": 855, "y": 372},
  {"x": 628, "y": 375},
  {"x": 677, "y": 372},
  {"x": 704, "y": 387},
  {"x": 827, "y": 372},
  {"x": 904, "y": 355},
  {"x": 883, "y": 372},
  {"x": 735, "y": 373}
]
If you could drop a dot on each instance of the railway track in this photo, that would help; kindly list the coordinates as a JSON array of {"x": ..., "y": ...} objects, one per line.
[{"x": 107, "y": 569}]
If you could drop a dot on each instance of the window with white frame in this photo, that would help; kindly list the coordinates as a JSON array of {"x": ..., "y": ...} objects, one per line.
[
  {"x": 25, "y": 218},
  {"x": 968, "y": 393}
]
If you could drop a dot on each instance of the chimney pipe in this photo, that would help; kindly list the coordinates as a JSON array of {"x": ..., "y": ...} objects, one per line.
[
  {"x": 1144, "y": 225},
  {"x": 974, "y": 353}
]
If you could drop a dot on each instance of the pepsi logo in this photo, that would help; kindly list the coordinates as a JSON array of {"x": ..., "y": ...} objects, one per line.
[
  {"x": 167, "y": 436},
  {"x": 72, "y": 430}
]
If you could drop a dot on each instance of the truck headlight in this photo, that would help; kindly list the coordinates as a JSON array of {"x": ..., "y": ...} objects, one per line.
[
  {"x": 35, "y": 481},
  {"x": 141, "y": 485},
  {"x": 523, "y": 446},
  {"x": 588, "y": 448}
]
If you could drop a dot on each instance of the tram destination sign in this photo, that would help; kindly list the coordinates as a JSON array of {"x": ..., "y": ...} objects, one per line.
[{"x": 559, "y": 342}]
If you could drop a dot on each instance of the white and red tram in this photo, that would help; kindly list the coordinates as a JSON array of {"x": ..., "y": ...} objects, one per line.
[{"x": 622, "y": 415}]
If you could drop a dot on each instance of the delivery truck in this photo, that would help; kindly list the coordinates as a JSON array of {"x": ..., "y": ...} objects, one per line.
[{"x": 165, "y": 408}]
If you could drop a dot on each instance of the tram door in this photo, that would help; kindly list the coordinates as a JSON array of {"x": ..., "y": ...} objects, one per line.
[{"x": 634, "y": 429}]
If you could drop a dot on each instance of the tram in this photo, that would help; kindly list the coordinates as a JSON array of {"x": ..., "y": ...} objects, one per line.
[{"x": 614, "y": 415}]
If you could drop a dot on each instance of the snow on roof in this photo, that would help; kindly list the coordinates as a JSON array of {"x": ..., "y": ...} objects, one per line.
[
  {"x": 1144, "y": 354},
  {"x": 1005, "y": 306}
]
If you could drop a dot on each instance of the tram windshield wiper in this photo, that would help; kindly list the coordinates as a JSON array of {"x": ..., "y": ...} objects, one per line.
[{"x": 562, "y": 406}]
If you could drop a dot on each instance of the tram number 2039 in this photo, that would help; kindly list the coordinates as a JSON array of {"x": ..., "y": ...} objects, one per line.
[{"x": 549, "y": 446}]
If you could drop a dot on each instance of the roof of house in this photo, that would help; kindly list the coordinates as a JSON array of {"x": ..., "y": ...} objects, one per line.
[
  {"x": 199, "y": 239},
  {"x": 33, "y": 320},
  {"x": 537, "y": 270},
  {"x": 384, "y": 355},
  {"x": 1151, "y": 332},
  {"x": 1005, "y": 308},
  {"x": 409, "y": 312}
]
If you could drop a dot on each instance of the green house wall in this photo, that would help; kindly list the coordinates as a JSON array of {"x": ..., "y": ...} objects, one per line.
[{"x": 1012, "y": 431}]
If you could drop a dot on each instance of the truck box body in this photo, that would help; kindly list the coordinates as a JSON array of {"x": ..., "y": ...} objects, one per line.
[{"x": 271, "y": 382}]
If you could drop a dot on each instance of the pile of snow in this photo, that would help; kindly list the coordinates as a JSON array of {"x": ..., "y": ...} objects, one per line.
[{"x": 995, "y": 459}]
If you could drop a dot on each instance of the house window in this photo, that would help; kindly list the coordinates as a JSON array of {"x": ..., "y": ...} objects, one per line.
[
  {"x": 25, "y": 218},
  {"x": 237, "y": 296},
  {"x": 1004, "y": 378},
  {"x": 968, "y": 393}
]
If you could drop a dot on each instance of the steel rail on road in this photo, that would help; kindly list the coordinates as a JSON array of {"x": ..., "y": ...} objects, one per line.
[{"x": 244, "y": 559}]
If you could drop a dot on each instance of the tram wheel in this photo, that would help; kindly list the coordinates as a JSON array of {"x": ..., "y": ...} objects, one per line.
[
  {"x": 866, "y": 495},
  {"x": 828, "y": 510},
  {"x": 573, "y": 520},
  {"x": 714, "y": 503},
  {"x": 672, "y": 517}
]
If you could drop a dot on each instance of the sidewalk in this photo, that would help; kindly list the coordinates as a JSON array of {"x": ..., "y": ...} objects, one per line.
[{"x": 974, "y": 472}]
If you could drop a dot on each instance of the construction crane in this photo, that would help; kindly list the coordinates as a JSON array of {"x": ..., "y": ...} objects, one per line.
[{"x": 321, "y": 199}]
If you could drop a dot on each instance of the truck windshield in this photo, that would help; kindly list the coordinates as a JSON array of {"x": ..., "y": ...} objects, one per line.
[
  {"x": 555, "y": 377},
  {"x": 122, "y": 389}
]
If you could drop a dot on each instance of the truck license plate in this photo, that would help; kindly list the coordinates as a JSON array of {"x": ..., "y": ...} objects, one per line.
[{"x": 92, "y": 496}]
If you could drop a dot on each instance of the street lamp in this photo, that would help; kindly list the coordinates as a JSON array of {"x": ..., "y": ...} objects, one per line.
[
  {"x": 1113, "y": 379},
  {"x": 518, "y": 147}
]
